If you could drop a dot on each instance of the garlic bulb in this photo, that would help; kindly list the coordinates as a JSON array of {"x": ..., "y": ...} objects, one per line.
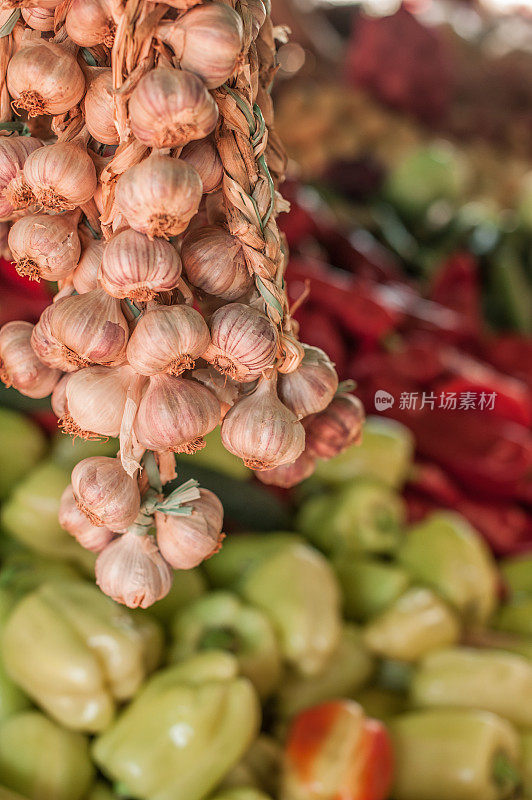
[
  {"x": 61, "y": 176},
  {"x": 312, "y": 386},
  {"x": 99, "y": 107},
  {"x": 203, "y": 156},
  {"x": 19, "y": 365},
  {"x": 44, "y": 78},
  {"x": 45, "y": 246},
  {"x": 58, "y": 398},
  {"x": 336, "y": 428},
  {"x": 159, "y": 196},
  {"x": 261, "y": 430},
  {"x": 90, "y": 23},
  {"x": 167, "y": 339},
  {"x": 95, "y": 401},
  {"x": 288, "y": 475},
  {"x": 85, "y": 276},
  {"x": 91, "y": 537},
  {"x": 214, "y": 262},
  {"x": 206, "y": 41},
  {"x": 137, "y": 267},
  {"x": 186, "y": 541},
  {"x": 243, "y": 342},
  {"x": 13, "y": 153},
  {"x": 105, "y": 492},
  {"x": 170, "y": 107},
  {"x": 82, "y": 330},
  {"x": 40, "y": 19},
  {"x": 132, "y": 571},
  {"x": 225, "y": 389},
  {"x": 175, "y": 414}
]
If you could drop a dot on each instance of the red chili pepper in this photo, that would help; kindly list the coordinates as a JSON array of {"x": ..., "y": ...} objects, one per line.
[
  {"x": 456, "y": 285},
  {"x": 511, "y": 354},
  {"x": 317, "y": 328},
  {"x": 334, "y": 752}
]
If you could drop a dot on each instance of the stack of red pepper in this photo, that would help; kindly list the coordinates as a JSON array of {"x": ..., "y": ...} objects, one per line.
[{"x": 465, "y": 394}]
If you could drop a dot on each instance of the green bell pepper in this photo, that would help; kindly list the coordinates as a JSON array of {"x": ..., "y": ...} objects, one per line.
[
  {"x": 242, "y": 793},
  {"x": 449, "y": 754},
  {"x": 445, "y": 553},
  {"x": 515, "y": 617},
  {"x": 363, "y": 517},
  {"x": 240, "y": 553},
  {"x": 24, "y": 570},
  {"x": 220, "y": 620},
  {"x": 517, "y": 574},
  {"x": 260, "y": 767},
  {"x": 484, "y": 679},
  {"x": 75, "y": 653},
  {"x": 43, "y": 761},
  {"x": 526, "y": 764},
  {"x": 66, "y": 451},
  {"x": 369, "y": 586},
  {"x": 183, "y": 732},
  {"x": 418, "y": 622},
  {"x": 12, "y": 699},
  {"x": 381, "y": 703},
  {"x": 215, "y": 456},
  {"x": 100, "y": 791},
  {"x": 348, "y": 669},
  {"x": 23, "y": 445},
  {"x": 385, "y": 454}
]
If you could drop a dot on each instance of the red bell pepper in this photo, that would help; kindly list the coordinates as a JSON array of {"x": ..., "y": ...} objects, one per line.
[{"x": 334, "y": 752}]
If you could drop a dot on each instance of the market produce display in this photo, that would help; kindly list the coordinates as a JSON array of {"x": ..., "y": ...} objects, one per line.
[
  {"x": 291, "y": 666},
  {"x": 141, "y": 174}
]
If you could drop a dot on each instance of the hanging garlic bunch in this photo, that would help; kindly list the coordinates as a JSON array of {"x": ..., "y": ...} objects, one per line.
[
  {"x": 312, "y": 386},
  {"x": 336, "y": 428},
  {"x": 90, "y": 23},
  {"x": 99, "y": 107},
  {"x": 85, "y": 276}
]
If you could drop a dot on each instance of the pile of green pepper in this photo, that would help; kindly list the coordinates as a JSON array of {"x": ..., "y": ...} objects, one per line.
[{"x": 350, "y": 657}]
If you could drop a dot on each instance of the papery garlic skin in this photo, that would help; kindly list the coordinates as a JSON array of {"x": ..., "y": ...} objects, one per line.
[
  {"x": 40, "y": 19},
  {"x": 91, "y": 537},
  {"x": 262, "y": 431},
  {"x": 168, "y": 339},
  {"x": 159, "y": 196},
  {"x": 58, "y": 399},
  {"x": 13, "y": 153},
  {"x": 137, "y": 267},
  {"x": 44, "y": 78},
  {"x": 85, "y": 276},
  {"x": 132, "y": 571},
  {"x": 336, "y": 428},
  {"x": 82, "y": 330},
  {"x": 45, "y": 246},
  {"x": 61, "y": 176},
  {"x": 206, "y": 41},
  {"x": 95, "y": 400},
  {"x": 288, "y": 475},
  {"x": 170, "y": 107},
  {"x": 99, "y": 108},
  {"x": 90, "y": 23},
  {"x": 203, "y": 156},
  {"x": 226, "y": 390},
  {"x": 214, "y": 262},
  {"x": 19, "y": 365},
  {"x": 105, "y": 492},
  {"x": 312, "y": 386},
  {"x": 186, "y": 541},
  {"x": 175, "y": 414},
  {"x": 243, "y": 342}
]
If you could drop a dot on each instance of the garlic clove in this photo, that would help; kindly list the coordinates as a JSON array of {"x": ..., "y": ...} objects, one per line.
[
  {"x": 159, "y": 196},
  {"x": 186, "y": 541},
  {"x": 168, "y": 339},
  {"x": 90, "y": 23},
  {"x": 262, "y": 431},
  {"x": 132, "y": 571},
  {"x": 202, "y": 154},
  {"x": 105, "y": 493},
  {"x": 80, "y": 331},
  {"x": 44, "y": 78},
  {"x": 85, "y": 276},
  {"x": 336, "y": 428},
  {"x": 175, "y": 414},
  {"x": 214, "y": 262},
  {"x": 243, "y": 342},
  {"x": 288, "y": 475},
  {"x": 312, "y": 386},
  {"x": 45, "y": 246},
  {"x": 137, "y": 267},
  {"x": 20, "y": 366},
  {"x": 91, "y": 537},
  {"x": 207, "y": 41},
  {"x": 61, "y": 175},
  {"x": 170, "y": 107}
]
